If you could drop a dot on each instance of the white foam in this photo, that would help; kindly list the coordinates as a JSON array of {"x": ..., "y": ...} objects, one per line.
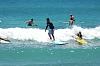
[
  {"x": 41, "y": 36},
  {"x": 0, "y": 21}
]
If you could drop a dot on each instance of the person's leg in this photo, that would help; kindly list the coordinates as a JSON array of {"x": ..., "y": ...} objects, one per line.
[
  {"x": 49, "y": 33},
  {"x": 72, "y": 23},
  {"x": 52, "y": 32},
  {"x": 53, "y": 36},
  {"x": 69, "y": 22}
]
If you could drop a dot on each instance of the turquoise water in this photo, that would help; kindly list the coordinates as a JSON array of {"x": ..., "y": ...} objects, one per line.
[
  {"x": 29, "y": 56},
  {"x": 32, "y": 47}
]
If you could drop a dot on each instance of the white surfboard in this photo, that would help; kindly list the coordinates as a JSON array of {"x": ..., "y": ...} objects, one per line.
[
  {"x": 58, "y": 43},
  {"x": 3, "y": 41}
]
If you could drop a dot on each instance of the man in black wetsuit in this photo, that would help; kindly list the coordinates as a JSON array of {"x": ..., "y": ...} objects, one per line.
[{"x": 51, "y": 29}]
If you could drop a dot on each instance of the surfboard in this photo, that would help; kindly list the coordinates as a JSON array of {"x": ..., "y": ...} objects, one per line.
[
  {"x": 3, "y": 41},
  {"x": 81, "y": 41},
  {"x": 58, "y": 43}
]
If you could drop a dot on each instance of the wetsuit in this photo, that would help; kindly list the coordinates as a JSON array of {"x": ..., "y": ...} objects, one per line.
[{"x": 51, "y": 28}]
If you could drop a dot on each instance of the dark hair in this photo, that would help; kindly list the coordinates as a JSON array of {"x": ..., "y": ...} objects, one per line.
[
  {"x": 71, "y": 15},
  {"x": 31, "y": 19},
  {"x": 48, "y": 20},
  {"x": 79, "y": 32}
]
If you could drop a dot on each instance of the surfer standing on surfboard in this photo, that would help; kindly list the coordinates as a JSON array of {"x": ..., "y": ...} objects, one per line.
[
  {"x": 71, "y": 21},
  {"x": 51, "y": 29}
]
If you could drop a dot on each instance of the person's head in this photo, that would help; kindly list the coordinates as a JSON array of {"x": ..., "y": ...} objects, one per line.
[
  {"x": 48, "y": 20},
  {"x": 79, "y": 32},
  {"x": 31, "y": 19},
  {"x": 71, "y": 15}
]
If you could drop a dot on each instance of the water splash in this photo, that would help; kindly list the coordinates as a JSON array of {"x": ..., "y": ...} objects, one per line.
[{"x": 39, "y": 35}]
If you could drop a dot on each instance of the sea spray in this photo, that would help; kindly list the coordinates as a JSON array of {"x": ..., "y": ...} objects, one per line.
[{"x": 41, "y": 36}]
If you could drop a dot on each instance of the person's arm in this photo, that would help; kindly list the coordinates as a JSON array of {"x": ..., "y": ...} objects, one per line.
[
  {"x": 28, "y": 21},
  {"x": 73, "y": 18},
  {"x": 69, "y": 23},
  {"x": 46, "y": 27}
]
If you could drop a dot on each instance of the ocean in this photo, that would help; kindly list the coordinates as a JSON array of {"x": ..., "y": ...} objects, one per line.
[{"x": 31, "y": 46}]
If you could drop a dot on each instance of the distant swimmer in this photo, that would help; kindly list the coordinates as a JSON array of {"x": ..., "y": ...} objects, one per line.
[
  {"x": 71, "y": 21},
  {"x": 51, "y": 29},
  {"x": 79, "y": 35},
  {"x": 30, "y": 23}
]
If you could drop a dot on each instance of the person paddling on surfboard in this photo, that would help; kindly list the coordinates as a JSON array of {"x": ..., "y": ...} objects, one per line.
[
  {"x": 51, "y": 29},
  {"x": 79, "y": 35},
  {"x": 80, "y": 39},
  {"x": 30, "y": 23}
]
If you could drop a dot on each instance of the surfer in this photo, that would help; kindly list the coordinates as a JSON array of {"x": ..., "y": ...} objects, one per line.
[
  {"x": 80, "y": 39},
  {"x": 79, "y": 35},
  {"x": 71, "y": 21},
  {"x": 30, "y": 23},
  {"x": 51, "y": 29}
]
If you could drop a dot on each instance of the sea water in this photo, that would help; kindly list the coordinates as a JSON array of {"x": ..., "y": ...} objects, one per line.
[{"x": 32, "y": 47}]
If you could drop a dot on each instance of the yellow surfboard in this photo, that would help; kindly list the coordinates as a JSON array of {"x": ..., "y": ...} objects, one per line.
[{"x": 81, "y": 41}]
